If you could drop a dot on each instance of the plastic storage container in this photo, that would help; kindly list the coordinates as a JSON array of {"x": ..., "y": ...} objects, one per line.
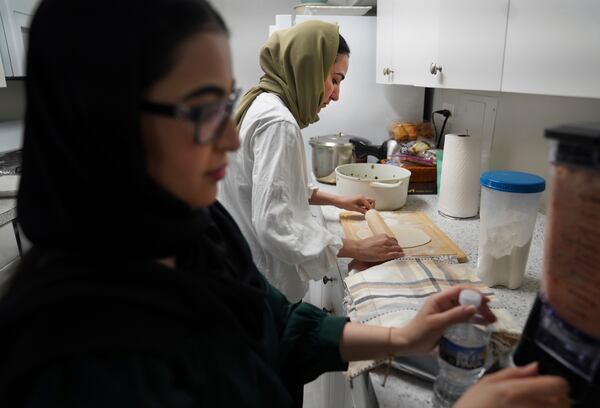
[
  {"x": 462, "y": 355},
  {"x": 563, "y": 329},
  {"x": 509, "y": 206}
]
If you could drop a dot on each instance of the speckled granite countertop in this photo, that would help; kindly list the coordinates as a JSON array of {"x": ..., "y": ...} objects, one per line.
[
  {"x": 8, "y": 210},
  {"x": 406, "y": 390}
]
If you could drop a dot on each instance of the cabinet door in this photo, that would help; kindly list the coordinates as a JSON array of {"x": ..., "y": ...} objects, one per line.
[
  {"x": 384, "y": 69},
  {"x": 553, "y": 47},
  {"x": 16, "y": 16},
  {"x": 471, "y": 43},
  {"x": 415, "y": 42},
  {"x": 2, "y": 75},
  {"x": 9, "y": 249}
]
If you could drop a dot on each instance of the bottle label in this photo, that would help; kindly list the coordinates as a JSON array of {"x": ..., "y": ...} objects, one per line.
[{"x": 467, "y": 358}]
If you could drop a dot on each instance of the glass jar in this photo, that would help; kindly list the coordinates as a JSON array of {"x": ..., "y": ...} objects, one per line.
[{"x": 563, "y": 328}]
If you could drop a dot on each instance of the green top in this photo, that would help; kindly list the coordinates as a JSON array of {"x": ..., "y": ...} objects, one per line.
[
  {"x": 216, "y": 370},
  {"x": 296, "y": 62}
]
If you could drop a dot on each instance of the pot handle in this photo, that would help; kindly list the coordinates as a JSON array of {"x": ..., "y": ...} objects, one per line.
[{"x": 376, "y": 184}]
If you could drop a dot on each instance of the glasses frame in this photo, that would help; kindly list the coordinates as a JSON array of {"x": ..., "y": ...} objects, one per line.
[{"x": 194, "y": 113}]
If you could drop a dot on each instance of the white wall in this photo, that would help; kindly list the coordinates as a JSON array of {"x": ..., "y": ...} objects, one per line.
[
  {"x": 365, "y": 108},
  {"x": 248, "y": 21},
  {"x": 518, "y": 141}
]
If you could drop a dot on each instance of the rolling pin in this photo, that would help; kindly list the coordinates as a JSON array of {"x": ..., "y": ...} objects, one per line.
[{"x": 377, "y": 224}]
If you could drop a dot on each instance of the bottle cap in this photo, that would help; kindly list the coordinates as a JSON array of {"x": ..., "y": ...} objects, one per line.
[{"x": 469, "y": 297}]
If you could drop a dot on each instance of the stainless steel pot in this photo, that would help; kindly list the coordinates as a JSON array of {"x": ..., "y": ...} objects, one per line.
[{"x": 330, "y": 151}]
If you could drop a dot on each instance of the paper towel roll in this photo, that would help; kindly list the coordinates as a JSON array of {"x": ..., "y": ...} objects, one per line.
[{"x": 459, "y": 188}]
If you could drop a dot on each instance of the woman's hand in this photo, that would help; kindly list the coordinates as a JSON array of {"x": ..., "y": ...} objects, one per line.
[
  {"x": 374, "y": 249},
  {"x": 359, "y": 266},
  {"x": 358, "y": 203},
  {"x": 518, "y": 387},
  {"x": 423, "y": 332}
]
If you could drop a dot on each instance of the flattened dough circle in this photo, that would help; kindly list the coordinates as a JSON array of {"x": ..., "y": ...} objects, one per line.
[
  {"x": 410, "y": 237},
  {"x": 362, "y": 234}
]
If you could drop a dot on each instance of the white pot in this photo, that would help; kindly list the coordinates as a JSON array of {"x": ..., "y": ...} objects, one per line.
[{"x": 385, "y": 183}]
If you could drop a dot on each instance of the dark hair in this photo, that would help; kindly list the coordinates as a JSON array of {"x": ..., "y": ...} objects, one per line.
[
  {"x": 191, "y": 16},
  {"x": 115, "y": 51},
  {"x": 343, "y": 47}
]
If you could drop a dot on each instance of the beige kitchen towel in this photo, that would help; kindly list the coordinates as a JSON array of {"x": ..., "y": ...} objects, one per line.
[{"x": 390, "y": 295}]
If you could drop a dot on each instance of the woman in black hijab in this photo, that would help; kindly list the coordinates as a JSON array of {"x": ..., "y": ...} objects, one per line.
[{"x": 139, "y": 289}]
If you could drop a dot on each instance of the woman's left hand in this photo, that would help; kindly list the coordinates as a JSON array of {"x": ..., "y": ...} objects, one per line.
[
  {"x": 358, "y": 203},
  {"x": 423, "y": 332}
]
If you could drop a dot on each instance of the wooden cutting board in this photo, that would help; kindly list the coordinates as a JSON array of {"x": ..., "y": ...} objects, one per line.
[{"x": 355, "y": 227}]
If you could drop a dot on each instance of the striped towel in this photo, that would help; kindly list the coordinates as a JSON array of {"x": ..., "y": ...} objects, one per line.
[{"x": 390, "y": 294}]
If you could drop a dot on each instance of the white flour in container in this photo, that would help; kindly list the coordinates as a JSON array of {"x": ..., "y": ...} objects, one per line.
[{"x": 502, "y": 258}]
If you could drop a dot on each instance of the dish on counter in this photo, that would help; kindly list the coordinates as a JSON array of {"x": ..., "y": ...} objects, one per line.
[{"x": 320, "y": 9}]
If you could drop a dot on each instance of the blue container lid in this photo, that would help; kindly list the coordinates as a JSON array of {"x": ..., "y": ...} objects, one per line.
[{"x": 512, "y": 181}]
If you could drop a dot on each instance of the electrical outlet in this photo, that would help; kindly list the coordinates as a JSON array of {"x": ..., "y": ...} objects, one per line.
[{"x": 450, "y": 107}]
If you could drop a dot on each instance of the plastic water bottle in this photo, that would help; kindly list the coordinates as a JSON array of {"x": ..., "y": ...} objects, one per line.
[{"x": 462, "y": 353}]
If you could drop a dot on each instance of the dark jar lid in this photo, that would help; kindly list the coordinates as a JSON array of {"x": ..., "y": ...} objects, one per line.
[{"x": 577, "y": 144}]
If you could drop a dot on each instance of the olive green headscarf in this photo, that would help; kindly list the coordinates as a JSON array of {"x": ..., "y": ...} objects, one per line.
[{"x": 296, "y": 62}]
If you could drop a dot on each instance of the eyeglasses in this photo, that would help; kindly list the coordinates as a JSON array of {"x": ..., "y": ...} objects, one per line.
[{"x": 209, "y": 119}]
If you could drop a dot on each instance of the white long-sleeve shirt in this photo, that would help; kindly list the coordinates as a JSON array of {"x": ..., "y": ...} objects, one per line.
[{"x": 266, "y": 190}]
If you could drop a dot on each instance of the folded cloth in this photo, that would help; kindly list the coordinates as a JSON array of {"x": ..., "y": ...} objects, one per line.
[{"x": 390, "y": 295}]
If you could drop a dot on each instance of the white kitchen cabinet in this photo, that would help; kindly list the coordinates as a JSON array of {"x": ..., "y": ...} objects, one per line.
[
  {"x": 415, "y": 41},
  {"x": 383, "y": 62},
  {"x": 553, "y": 48},
  {"x": 16, "y": 18},
  {"x": 471, "y": 43},
  {"x": 463, "y": 38}
]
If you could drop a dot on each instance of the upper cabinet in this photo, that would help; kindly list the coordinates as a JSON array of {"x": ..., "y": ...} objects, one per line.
[
  {"x": 445, "y": 44},
  {"x": 15, "y": 16},
  {"x": 383, "y": 64},
  {"x": 553, "y": 47},
  {"x": 2, "y": 78},
  {"x": 471, "y": 44},
  {"x": 415, "y": 41},
  {"x": 535, "y": 46}
]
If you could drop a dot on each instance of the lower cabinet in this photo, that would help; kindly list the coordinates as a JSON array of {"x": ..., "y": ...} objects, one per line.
[{"x": 9, "y": 253}]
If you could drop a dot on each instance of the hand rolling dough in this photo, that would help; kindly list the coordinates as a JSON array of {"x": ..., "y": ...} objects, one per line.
[{"x": 407, "y": 237}]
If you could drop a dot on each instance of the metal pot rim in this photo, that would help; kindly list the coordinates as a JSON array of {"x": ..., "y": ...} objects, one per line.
[{"x": 344, "y": 140}]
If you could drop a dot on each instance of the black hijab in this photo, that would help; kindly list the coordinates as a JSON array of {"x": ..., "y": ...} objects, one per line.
[{"x": 97, "y": 221}]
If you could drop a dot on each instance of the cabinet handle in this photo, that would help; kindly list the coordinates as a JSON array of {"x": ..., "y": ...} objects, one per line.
[
  {"x": 327, "y": 279},
  {"x": 327, "y": 310},
  {"x": 387, "y": 71},
  {"x": 435, "y": 68}
]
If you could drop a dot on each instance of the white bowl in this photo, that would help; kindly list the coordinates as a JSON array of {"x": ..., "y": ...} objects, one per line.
[{"x": 385, "y": 183}]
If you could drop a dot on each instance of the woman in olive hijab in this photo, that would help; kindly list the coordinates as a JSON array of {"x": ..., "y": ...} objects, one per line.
[{"x": 267, "y": 189}]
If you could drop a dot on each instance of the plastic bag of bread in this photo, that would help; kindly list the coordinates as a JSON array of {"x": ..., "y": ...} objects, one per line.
[
  {"x": 403, "y": 131},
  {"x": 407, "y": 131}
]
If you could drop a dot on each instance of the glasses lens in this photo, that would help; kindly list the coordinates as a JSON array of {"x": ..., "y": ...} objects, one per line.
[{"x": 210, "y": 121}]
